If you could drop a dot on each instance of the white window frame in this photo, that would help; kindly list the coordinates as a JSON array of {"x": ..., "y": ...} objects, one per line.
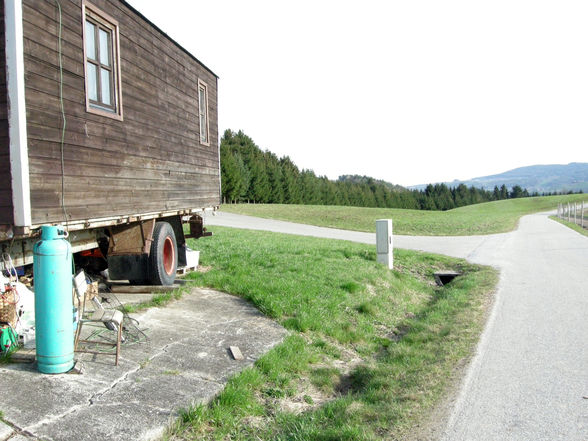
[
  {"x": 106, "y": 21},
  {"x": 203, "y": 113}
]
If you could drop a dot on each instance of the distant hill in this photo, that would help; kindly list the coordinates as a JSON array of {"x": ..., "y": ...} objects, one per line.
[
  {"x": 535, "y": 178},
  {"x": 357, "y": 179}
]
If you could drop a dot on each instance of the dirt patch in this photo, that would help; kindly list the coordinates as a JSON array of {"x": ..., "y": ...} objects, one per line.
[
  {"x": 308, "y": 396},
  {"x": 371, "y": 290},
  {"x": 306, "y": 399}
]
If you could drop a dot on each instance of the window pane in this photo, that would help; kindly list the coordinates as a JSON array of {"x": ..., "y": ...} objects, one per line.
[
  {"x": 202, "y": 100},
  {"x": 92, "y": 82},
  {"x": 104, "y": 47},
  {"x": 203, "y": 131},
  {"x": 202, "y": 112},
  {"x": 105, "y": 83},
  {"x": 102, "y": 82},
  {"x": 90, "y": 40}
]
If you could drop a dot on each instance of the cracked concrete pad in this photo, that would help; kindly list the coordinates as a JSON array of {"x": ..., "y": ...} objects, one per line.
[
  {"x": 19, "y": 437},
  {"x": 185, "y": 361},
  {"x": 5, "y": 431}
]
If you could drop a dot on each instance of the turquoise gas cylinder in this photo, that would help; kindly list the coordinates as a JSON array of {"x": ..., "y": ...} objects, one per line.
[{"x": 52, "y": 267}]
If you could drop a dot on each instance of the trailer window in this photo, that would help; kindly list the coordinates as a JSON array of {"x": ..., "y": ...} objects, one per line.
[
  {"x": 203, "y": 112},
  {"x": 102, "y": 63}
]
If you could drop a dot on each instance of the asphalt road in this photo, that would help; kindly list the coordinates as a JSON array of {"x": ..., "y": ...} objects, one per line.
[{"x": 529, "y": 377}]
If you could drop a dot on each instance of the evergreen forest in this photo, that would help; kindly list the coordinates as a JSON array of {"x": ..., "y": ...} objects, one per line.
[{"x": 251, "y": 175}]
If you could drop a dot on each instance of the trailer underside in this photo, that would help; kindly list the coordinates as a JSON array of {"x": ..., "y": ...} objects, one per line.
[{"x": 125, "y": 235}]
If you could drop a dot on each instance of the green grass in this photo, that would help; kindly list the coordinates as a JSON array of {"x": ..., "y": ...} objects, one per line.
[
  {"x": 571, "y": 225},
  {"x": 370, "y": 350},
  {"x": 487, "y": 218},
  {"x": 158, "y": 300}
]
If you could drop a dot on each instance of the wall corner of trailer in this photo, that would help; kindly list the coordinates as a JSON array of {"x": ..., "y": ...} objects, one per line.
[
  {"x": 17, "y": 121},
  {"x": 218, "y": 141},
  {"x": 220, "y": 183}
]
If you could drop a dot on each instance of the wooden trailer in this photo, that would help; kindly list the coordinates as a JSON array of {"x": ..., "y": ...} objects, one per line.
[{"x": 108, "y": 127}]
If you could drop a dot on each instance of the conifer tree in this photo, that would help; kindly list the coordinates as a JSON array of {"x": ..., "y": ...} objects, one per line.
[
  {"x": 248, "y": 173},
  {"x": 503, "y": 192},
  {"x": 290, "y": 181},
  {"x": 274, "y": 171}
]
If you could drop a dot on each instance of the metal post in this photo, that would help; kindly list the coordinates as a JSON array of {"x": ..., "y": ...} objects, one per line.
[
  {"x": 582, "y": 214},
  {"x": 575, "y": 210},
  {"x": 568, "y": 212}
]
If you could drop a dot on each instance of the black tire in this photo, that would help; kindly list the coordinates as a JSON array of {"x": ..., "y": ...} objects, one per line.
[
  {"x": 139, "y": 282},
  {"x": 163, "y": 258}
]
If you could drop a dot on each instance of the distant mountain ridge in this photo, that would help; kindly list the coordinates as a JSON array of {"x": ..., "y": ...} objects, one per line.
[{"x": 535, "y": 178}]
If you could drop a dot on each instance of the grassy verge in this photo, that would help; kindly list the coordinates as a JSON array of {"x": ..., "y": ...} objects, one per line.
[
  {"x": 571, "y": 225},
  {"x": 370, "y": 351},
  {"x": 487, "y": 218}
]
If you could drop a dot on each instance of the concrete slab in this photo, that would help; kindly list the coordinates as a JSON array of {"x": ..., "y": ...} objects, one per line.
[
  {"x": 186, "y": 360},
  {"x": 19, "y": 437},
  {"x": 131, "y": 299},
  {"x": 5, "y": 431}
]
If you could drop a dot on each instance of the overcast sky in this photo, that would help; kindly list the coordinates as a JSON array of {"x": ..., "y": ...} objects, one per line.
[{"x": 406, "y": 91}]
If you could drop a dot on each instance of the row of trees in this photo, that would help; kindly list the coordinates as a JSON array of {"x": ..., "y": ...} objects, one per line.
[{"x": 252, "y": 175}]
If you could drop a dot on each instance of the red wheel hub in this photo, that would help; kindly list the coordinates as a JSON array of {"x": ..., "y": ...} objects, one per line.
[{"x": 169, "y": 256}]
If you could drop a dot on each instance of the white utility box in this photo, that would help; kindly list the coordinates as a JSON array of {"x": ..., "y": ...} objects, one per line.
[
  {"x": 192, "y": 258},
  {"x": 384, "y": 246}
]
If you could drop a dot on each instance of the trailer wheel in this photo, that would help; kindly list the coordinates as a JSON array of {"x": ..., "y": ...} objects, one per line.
[
  {"x": 163, "y": 258},
  {"x": 139, "y": 282}
]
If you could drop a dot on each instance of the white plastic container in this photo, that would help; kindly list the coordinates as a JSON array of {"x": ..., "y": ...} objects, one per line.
[{"x": 192, "y": 258}]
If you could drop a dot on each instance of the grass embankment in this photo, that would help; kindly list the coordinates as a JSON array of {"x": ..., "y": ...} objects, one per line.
[
  {"x": 370, "y": 351},
  {"x": 571, "y": 225},
  {"x": 487, "y": 218}
]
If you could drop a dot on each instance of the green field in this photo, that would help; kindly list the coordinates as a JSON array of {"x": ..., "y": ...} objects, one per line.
[
  {"x": 370, "y": 351},
  {"x": 487, "y": 218}
]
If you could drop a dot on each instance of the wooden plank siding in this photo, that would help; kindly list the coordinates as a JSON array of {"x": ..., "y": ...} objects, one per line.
[
  {"x": 150, "y": 161},
  {"x": 6, "y": 208}
]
